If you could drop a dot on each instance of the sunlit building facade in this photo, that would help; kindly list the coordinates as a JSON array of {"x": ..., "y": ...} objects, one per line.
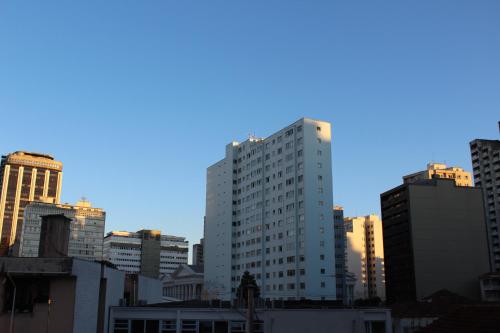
[
  {"x": 365, "y": 255},
  {"x": 441, "y": 170},
  {"x": 269, "y": 212},
  {"x": 146, "y": 251},
  {"x": 86, "y": 228},
  {"x": 24, "y": 177},
  {"x": 486, "y": 167}
]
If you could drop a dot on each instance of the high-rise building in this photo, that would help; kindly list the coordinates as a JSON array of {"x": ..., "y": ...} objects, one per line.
[
  {"x": 486, "y": 167},
  {"x": 24, "y": 177},
  {"x": 86, "y": 228},
  {"x": 146, "y": 251},
  {"x": 198, "y": 253},
  {"x": 365, "y": 255},
  {"x": 340, "y": 252},
  {"x": 269, "y": 212},
  {"x": 434, "y": 238},
  {"x": 441, "y": 170}
]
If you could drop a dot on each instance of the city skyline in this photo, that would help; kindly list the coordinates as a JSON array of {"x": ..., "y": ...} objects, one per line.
[{"x": 136, "y": 115}]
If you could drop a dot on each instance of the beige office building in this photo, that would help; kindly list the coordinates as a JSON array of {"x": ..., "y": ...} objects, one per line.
[
  {"x": 86, "y": 228},
  {"x": 365, "y": 255},
  {"x": 441, "y": 170},
  {"x": 24, "y": 177}
]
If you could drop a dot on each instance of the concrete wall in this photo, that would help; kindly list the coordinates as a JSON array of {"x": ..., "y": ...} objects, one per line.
[
  {"x": 449, "y": 238},
  {"x": 150, "y": 290},
  {"x": 87, "y": 295},
  {"x": 218, "y": 227},
  {"x": 318, "y": 218},
  {"x": 115, "y": 285},
  {"x": 43, "y": 319}
]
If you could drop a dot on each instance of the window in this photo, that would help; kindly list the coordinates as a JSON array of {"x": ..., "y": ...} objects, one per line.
[
  {"x": 319, "y": 152},
  {"x": 319, "y": 165},
  {"x": 121, "y": 326},
  {"x": 322, "y": 285},
  {"x": 318, "y": 129}
]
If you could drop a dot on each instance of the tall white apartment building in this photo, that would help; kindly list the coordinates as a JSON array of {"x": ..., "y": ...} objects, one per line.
[
  {"x": 86, "y": 228},
  {"x": 365, "y": 255},
  {"x": 268, "y": 211},
  {"x": 146, "y": 251}
]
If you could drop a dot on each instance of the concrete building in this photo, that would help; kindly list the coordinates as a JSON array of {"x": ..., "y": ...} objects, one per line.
[
  {"x": 269, "y": 212},
  {"x": 340, "y": 253},
  {"x": 186, "y": 283},
  {"x": 489, "y": 285},
  {"x": 441, "y": 170},
  {"x": 486, "y": 167},
  {"x": 145, "y": 251},
  {"x": 219, "y": 317},
  {"x": 54, "y": 236},
  {"x": 24, "y": 177},
  {"x": 86, "y": 228},
  {"x": 365, "y": 255},
  {"x": 57, "y": 295},
  {"x": 434, "y": 238},
  {"x": 197, "y": 259}
]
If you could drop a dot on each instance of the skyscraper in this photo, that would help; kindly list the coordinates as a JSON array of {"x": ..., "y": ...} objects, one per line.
[
  {"x": 486, "y": 167},
  {"x": 86, "y": 228},
  {"x": 434, "y": 238},
  {"x": 365, "y": 255},
  {"x": 24, "y": 177},
  {"x": 340, "y": 252},
  {"x": 269, "y": 212},
  {"x": 197, "y": 258}
]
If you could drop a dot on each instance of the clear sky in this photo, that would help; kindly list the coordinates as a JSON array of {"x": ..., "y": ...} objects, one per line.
[{"x": 137, "y": 98}]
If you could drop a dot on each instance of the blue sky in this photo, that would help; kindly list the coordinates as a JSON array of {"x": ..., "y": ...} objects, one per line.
[{"x": 137, "y": 98}]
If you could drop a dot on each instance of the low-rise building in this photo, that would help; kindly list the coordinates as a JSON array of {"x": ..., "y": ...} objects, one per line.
[
  {"x": 186, "y": 283},
  {"x": 57, "y": 295},
  {"x": 86, "y": 228},
  {"x": 220, "y": 317},
  {"x": 147, "y": 252}
]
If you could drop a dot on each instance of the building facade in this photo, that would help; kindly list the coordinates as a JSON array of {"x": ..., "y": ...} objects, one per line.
[
  {"x": 24, "y": 177},
  {"x": 441, "y": 170},
  {"x": 202, "y": 317},
  {"x": 269, "y": 212},
  {"x": 146, "y": 251},
  {"x": 486, "y": 167},
  {"x": 186, "y": 283},
  {"x": 86, "y": 228},
  {"x": 340, "y": 253},
  {"x": 197, "y": 258},
  {"x": 434, "y": 238},
  {"x": 365, "y": 255}
]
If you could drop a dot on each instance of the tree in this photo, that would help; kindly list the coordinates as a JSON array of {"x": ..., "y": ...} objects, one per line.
[{"x": 247, "y": 281}]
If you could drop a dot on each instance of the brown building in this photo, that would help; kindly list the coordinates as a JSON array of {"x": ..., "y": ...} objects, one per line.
[
  {"x": 434, "y": 238},
  {"x": 54, "y": 236},
  {"x": 198, "y": 254},
  {"x": 24, "y": 177},
  {"x": 57, "y": 295}
]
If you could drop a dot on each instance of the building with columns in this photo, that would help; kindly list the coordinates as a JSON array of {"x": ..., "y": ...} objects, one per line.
[
  {"x": 186, "y": 283},
  {"x": 24, "y": 177}
]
